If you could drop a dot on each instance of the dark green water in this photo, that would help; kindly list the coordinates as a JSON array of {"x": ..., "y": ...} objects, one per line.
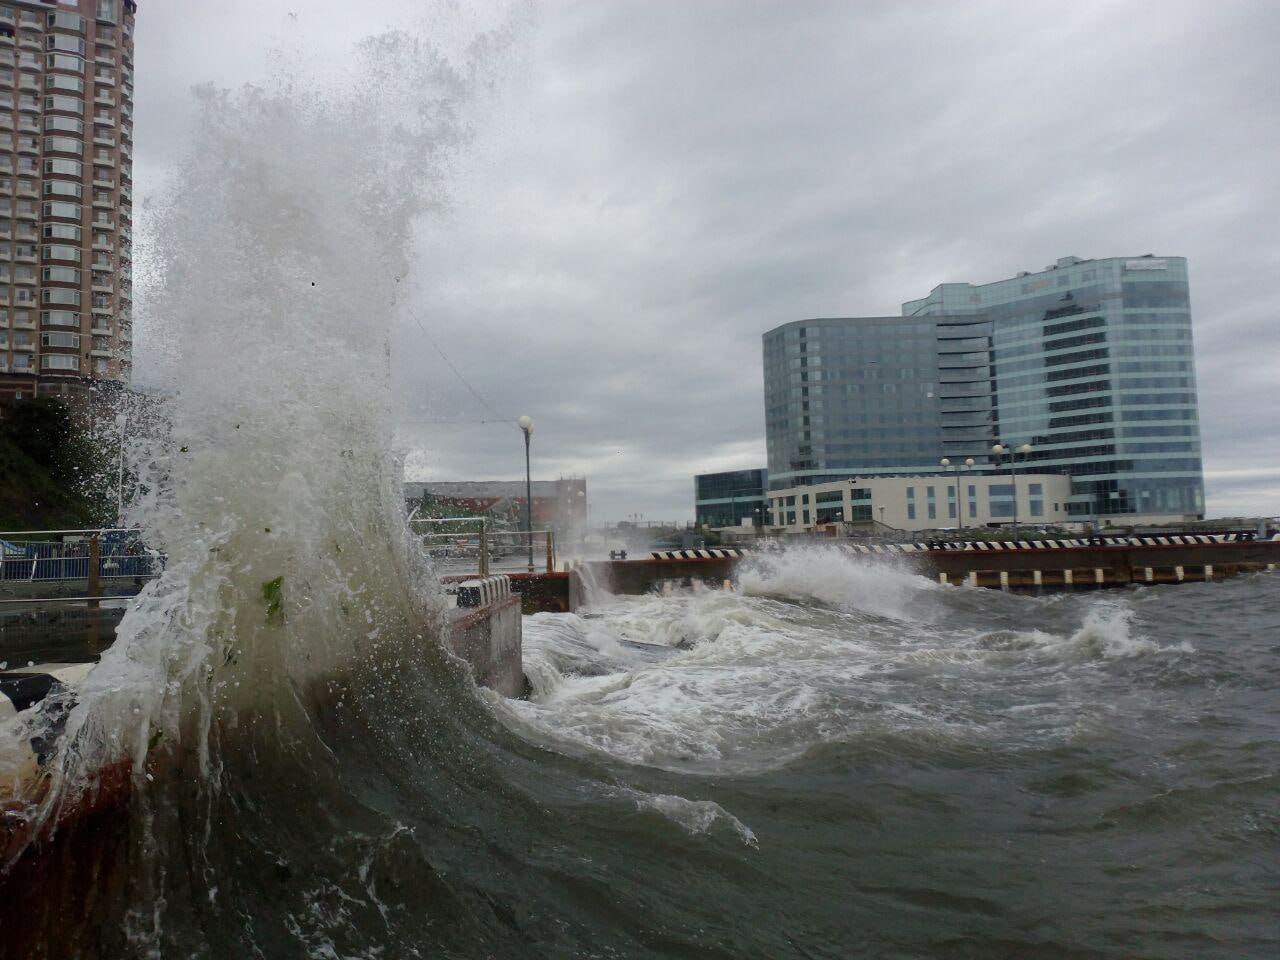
[{"x": 869, "y": 766}]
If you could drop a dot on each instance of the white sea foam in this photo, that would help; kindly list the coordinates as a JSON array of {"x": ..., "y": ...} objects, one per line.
[
  {"x": 695, "y": 816},
  {"x": 839, "y": 580},
  {"x": 724, "y": 682}
]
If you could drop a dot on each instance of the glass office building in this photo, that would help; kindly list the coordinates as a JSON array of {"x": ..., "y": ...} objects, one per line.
[
  {"x": 1090, "y": 361},
  {"x": 731, "y": 499},
  {"x": 874, "y": 396}
]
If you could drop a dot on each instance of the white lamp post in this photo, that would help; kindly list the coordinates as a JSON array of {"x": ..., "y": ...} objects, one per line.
[
  {"x": 526, "y": 427},
  {"x": 1000, "y": 450}
]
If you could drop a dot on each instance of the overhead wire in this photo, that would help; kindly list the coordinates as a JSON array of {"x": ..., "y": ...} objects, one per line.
[{"x": 497, "y": 417}]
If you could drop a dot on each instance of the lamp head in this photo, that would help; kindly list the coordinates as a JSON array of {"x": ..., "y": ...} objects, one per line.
[
  {"x": 526, "y": 424},
  {"x": 945, "y": 461},
  {"x": 969, "y": 461},
  {"x": 1025, "y": 448},
  {"x": 997, "y": 448}
]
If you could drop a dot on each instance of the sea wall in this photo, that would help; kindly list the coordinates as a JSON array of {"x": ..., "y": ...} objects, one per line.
[
  {"x": 489, "y": 638},
  {"x": 1066, "y": 564}
]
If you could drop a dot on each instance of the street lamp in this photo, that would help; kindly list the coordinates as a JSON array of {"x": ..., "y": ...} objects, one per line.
[
  {"x": 526, "y": 427},
  {"x": 1000, "y": 450},
  {"x": 967, "y": 465}
]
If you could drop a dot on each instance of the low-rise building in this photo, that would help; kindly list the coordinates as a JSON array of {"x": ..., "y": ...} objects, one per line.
[
  {"x": 560, "y": 505},
  {"x": 924, "y": 502}
]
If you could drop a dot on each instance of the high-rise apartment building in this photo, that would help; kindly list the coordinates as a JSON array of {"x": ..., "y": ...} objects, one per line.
[
  {"x": 1088, "y": 361},
  {"x": 66, "y": 213}
]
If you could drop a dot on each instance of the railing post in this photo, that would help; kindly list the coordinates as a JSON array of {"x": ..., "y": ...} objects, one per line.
[
  {"x": 484, "y": 547},
  {"x": 551, "y": 552},
  {"x": 95, "y": 557}
]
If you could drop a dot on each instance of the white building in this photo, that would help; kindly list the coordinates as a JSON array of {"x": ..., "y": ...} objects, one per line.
[{"x": 924, "y": 502}]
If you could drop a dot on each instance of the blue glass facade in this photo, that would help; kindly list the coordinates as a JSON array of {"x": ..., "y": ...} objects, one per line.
[
  {"x": 874, "y": 395},
  {"x": 726, "y": 499},
  {"x": 1090, "y": 361}
]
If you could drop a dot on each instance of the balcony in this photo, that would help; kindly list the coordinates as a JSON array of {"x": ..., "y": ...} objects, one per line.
[
  {"x": 27, "y": 215},
  {"x": 104, "y": 119},
  {"x": 106, "y": 159},
  {"x": 101, "y": 286},
  {"x": 24, "y": 324},
  {"x": 103, "y": 331},
  {"x": 104, "y": 99},
  {"x": 104, "y": 78},
  {"x": 8, "y": 40},
  {"x": 105, "y": 203},
  {"x": 106, "y": 59},
  {"x": 108, "y": 354},
  {"x": 102, "y": 246},
  {"x": 103, "y": 224},
  {"x": 30, "y": 43}
]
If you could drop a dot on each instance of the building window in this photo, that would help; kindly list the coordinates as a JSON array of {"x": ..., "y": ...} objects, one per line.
[
  {"x": 61, "y": 296},
  {"x": 59, "y": 318},
  {"x": 59, "y": 361},
  {"x": 65, "y": 44},
  {"x": 911, "y": 510},
  {"x": 60, "y": 340},
  {"x": 1037, "y": 508},
  {"x": 62, "y": 275},
  {"x": 61, "y": 231}
]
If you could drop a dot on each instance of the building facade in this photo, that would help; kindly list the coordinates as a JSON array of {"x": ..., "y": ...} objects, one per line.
[
  {"x": 1088, "y": 361},
  {"x": 66, "y": 220},
  {"x": 862, "y": 395},
  {"x": 1092, "y": 363},
  {"x": 914, "y": 503},
  {"x": 734, "y": 498},
  {"x": 559, "y": 505}
]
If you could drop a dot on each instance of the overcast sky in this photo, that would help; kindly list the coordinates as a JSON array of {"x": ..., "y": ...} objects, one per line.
[{"x": 652, "y": 185}]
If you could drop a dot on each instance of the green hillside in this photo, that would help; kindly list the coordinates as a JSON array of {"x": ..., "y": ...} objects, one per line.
[{"x": 49, "y": 470}]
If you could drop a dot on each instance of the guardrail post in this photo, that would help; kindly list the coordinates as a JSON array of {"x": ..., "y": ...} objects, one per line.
[
  {"x": 95, "y": 560},
  {"x": 484, "y": 546}
]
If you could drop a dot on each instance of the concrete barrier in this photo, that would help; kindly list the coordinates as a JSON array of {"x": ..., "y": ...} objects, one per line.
[{"x": 490, "y": 640}]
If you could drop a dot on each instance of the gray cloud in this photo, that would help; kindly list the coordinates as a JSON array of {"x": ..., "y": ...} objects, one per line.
[{"x": 659, "y": 183}]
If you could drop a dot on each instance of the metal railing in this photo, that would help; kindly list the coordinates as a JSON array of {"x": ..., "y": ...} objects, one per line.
[
  {"x": 473, "y": 543},
  {"x": 44, "y": 556}
]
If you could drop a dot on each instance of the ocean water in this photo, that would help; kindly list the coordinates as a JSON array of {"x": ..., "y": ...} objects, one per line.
[{"x": 832, "y": 761}]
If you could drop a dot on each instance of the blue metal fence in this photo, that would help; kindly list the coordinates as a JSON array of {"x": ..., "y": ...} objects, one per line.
[{"x": 55, "y": 555}]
